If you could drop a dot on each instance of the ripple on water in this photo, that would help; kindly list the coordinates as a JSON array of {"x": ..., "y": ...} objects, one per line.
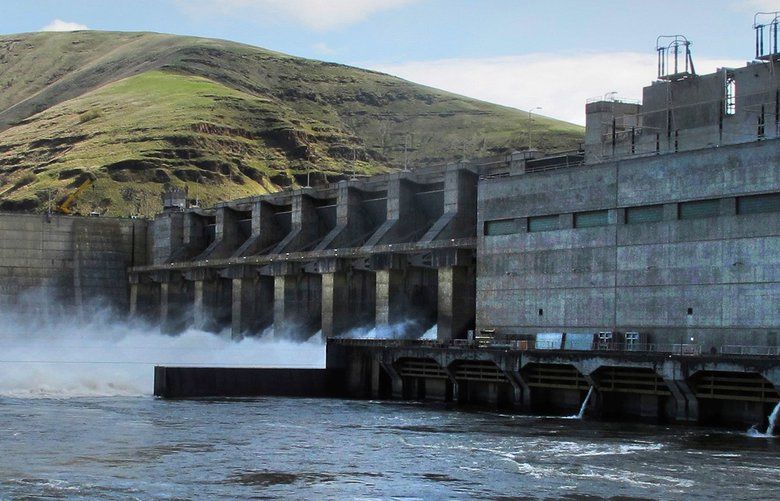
[{"x": 272, "y": 478}]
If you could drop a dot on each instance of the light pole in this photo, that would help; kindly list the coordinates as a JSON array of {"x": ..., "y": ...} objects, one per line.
[{"x": 530, "y": 121}]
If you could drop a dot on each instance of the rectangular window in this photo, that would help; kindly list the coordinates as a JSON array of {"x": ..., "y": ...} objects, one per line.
[
  {"x": 591, "y": 219},
  {"x": 699, "y": 209},
  {"x": 501, "y": 227},
  {"x": 646, "y": 214},
  {"x": 543, "y": 223},
  {"x": 755, "y": 204}
]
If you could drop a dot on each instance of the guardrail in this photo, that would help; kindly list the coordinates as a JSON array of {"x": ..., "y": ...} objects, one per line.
[
  {"x": 387, "y": 343},
  {"x": 679, "y": 349},
  {"x": 766, "y": 351},
  {"x": 664, "y": 348}
]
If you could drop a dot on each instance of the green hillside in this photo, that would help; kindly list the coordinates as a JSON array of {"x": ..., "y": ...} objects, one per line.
[{"x": 138, "y": 111}]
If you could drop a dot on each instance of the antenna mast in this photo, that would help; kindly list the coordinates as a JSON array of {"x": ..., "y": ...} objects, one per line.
[{"x": 674, "y": 58}]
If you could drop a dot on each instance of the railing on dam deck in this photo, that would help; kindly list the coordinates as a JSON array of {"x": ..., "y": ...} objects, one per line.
[
  {"x": 387, "y": 343},
  {"x": 766, "y": 351},
  {"x": 681, "y": 349},
  {"x": 684, "y": 349}
]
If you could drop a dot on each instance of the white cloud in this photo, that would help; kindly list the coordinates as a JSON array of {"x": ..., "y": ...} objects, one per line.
[
  {"x": 320, "y": 15},
  {"x": 60, "y": 25},
  {"x": 759, "y": 5},
  {"x": 323, "y": 49},
  {"x": 559, "y": 83}
]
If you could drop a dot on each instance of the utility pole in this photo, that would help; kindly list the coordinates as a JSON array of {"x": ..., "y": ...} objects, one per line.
[
  {"x": 354, "y": 163},
  {"x": 406, "y": 152},
  {"x": 530, "y": 121}
]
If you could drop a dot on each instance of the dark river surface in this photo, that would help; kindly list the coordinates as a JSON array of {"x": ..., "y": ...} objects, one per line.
[{"x": 142, "y": 448}]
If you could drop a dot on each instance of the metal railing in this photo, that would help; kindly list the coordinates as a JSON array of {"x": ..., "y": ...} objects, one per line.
[
  {"x": 736, "y": 349},
  {"x": 663, "y": 348},
  {"x": 678, "y": 349},
  {"x": 387, "y": 343}
]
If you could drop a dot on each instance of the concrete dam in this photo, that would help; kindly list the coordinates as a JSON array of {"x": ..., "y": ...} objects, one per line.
[{"x": 642, "y": 270}]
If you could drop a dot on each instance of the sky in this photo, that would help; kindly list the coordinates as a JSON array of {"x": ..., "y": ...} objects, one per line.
[{"x": 546, "y": 55}]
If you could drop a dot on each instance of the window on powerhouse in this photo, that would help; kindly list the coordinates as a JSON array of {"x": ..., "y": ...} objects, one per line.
[
  {"x": 755, "y": 204},
  {"x": 751, "y": 204},
  {"x": 543, "y": 223},
  {"x": 591, "y": 219},
  {"x": 645, "y": 214},
  {"x": 501, "y": 227},
  {"x": 698, "y": 209}
]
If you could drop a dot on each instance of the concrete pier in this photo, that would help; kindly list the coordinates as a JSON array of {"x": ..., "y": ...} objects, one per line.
[{"x": 658, "y": 387}]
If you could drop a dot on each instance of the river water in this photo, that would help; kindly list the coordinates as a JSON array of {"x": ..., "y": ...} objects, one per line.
[
  {"x": 77, "y": 420},
  {"x": 142, "y": 448}
]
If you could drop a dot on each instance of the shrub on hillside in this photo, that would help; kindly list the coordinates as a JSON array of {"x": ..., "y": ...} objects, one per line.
[{"x": 89, "y": 115}]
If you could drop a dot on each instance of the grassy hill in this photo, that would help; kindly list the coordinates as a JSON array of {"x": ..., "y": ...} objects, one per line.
[{"x": 138, "y": 111}]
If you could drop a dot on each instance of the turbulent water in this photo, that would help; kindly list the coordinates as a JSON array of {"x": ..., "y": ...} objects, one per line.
[
  {"x": 77, "y": 420},
  {"x": 142, "y": 448}
]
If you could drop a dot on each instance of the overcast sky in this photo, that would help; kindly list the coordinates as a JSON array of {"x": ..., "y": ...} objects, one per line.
[{"x": 552, "y": 54}]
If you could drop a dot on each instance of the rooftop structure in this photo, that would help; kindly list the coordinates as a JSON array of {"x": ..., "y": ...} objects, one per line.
[{"x": 684, "y": 111}]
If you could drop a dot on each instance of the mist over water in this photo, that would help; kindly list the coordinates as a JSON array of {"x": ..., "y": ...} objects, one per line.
[
  {"x": 46, "y": 352},
  {"x": 405, "y": 329}
]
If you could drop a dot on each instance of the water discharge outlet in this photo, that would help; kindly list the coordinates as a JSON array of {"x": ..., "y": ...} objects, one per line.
[
  {"x": 584, "y": 406},
  {"x": 770, "y": 429}
]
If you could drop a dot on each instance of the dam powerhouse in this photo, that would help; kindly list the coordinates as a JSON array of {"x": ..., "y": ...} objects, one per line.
[{"x": 642, "y": 270}]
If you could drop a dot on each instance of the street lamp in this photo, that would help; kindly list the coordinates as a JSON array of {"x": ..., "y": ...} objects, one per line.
[{"x": 530, "y": 120}]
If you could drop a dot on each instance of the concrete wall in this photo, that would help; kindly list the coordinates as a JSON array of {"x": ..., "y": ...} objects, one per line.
[
  {"x": 645, "y": 277},
  {"x": 71, "y": 260},
  {"x": 687, "y": 114},
  {"x": 349, "y": 255}
]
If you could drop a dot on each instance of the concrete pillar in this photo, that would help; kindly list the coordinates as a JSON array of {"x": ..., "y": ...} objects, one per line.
[
  {"x": 284, "y": 296},
  {"x": 199, "y": 310},
  {"x": 492, "y": 394},
  {"x": 456, "y": 308},
  {"x": 297, "y": 301},
  {"x": 351, "y": 221},
  {"x": 211, "y": 303},
  {"x": 403, "y": 216},
  {"x": 226, "y": 227},
  {"x": 244, "y": 305},
  {"x": 164, "y": 304},
  {"x": 172, "y": 307},
  {"x": 389, "y": 291},
  {"x": 396, "y": 380},
  {"x": 335, "y": 304},
  {"x": 453, "y": 382},
  {"x": 133, "y": 299},
  {"x": 459, "y": 211},
  {"x": 687, "y": 405},
  {"x": 144, "y": 300},
  {"x": 375, "y": 375},
  {"x": 521, "y": 390},
  {"x": 304, "y": 225}
]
